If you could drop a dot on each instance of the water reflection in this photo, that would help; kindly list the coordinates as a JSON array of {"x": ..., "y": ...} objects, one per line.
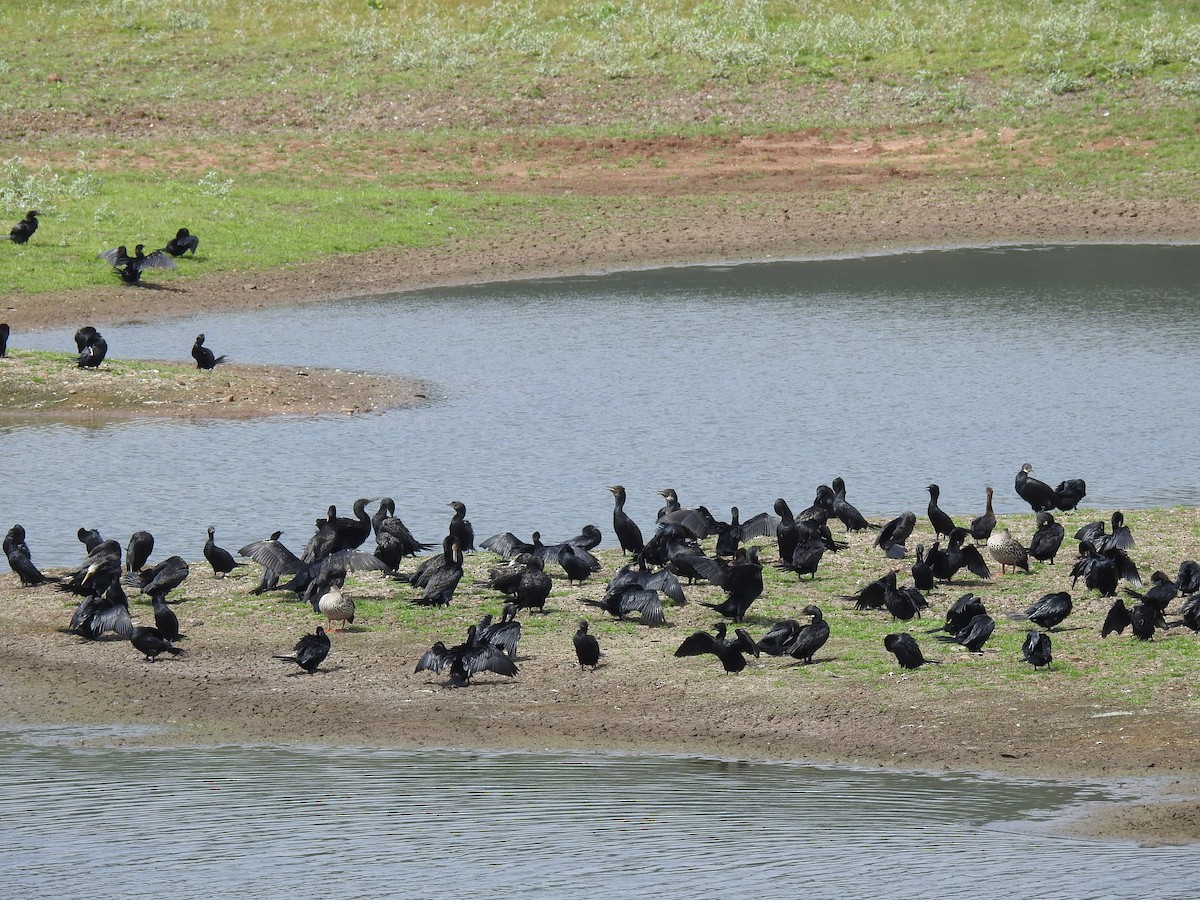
[
  {"x": 734, "y": 385},
  {"x": 96, "y": 820}
]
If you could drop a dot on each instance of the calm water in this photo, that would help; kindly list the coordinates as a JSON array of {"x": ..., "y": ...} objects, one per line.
[
  {"x": 734, "y": 385},
  {"x": 82, "y": 820}
]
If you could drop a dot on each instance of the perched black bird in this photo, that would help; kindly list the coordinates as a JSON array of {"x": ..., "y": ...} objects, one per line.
[
  {"x": 90, "y": 538},
  {"x": 1191, "y": 613},
  {"x": 938, "y": 518},
  {"x": 84, "y": 336},
  {"x": 957, "y": 556},
  {"x": 183, "y": 242},
  {"x": 637, "y": 574},
  {"x": 1043, "y": 498},
  {"x": 310, "y": 651},
  {"x": 94, "y": 349},
  {"x": 903, "y": 603},
  {"x": 165, "y": 619},
  {"x": 336, "y": 532},
  {"x": 1117, "y": 619},
  {"x": 587, "y": 648},
  {"x": 1120, "y": 536},
  {"x": 961, "y": 612},
  {"x": 130, "y": 268},
  {"x": 974, "y": 634},
  {"x": 629, "y": 536},
  {"x": 1044, "y": 544},
  {"x": 23, "y": 230},
  {"x": 845, "y": 511},
  {"x": 741, "y": 582},
  {"x": 505, "y": 634},
  {"x": 629, "y": 597},
  {"x": 460, "y": 528},
  {"x": 1102, "y": 570},
  {"x": 219, "y": 558},
  {"x": 728, "y": 652},
  {"x": 19, "y": 558},
  {"x": 892, "y": 537},
  {"x": 1160, "y": 595},
  {"x": 1048, "y": 611},
  {"x": 439, "y": 588},
  {"x": 1188, "y": 578},
  {"x": 922, "y": 572},
  {"x": 205, "y": 358},
  {"x": 148, "y": 641},
  {"x": 275, "y": 559},
  {"x": 1036, "y": 649},
  {"x": 807, "y": 639},
  {"x": 100, "y": 570},
  {"x": 393, "y": 540},
  {"x": 908, "y": 653},
  {"x": 735, "y": 533},
  {"x": 100, "y": 613},
  {"x": 526, "y": 585},
  {"x": 138, "y": 550},
  {"x": 981, "y": 526},
  {"x": 467, "y": 659},
  {"x": 158, "y": 581},
  {"x": 5, "y": 331}
]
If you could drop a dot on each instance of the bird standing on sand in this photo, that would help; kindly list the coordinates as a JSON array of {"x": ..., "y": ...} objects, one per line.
[
  {"x": 587, "y": 648},
  {"x": 467, "y": 659},
  {"x": 5, "y": 331},
  {"x": 727, "y": 651},
  {"x": 138, "y": 550},
  {"x": 148, "y": 641},
  {"x": 310, "y": 651},
  {"x": 629, "y": 536},
  {"x": 942, "y": 524},
  {"x": 93, "y": 349},
  {"x": 219, "y": 558},
  {"x": 205, "y": 358},
  {"x": 906, "y": 650},
  {"x": 23, "y": 230},
  {"x": 1036, "y": 649}
]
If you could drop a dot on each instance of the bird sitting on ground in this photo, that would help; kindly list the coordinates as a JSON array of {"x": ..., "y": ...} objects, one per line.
[
  {"x": 728, "y": 652},
  {"x": 93, "y": 350},
  {"x": 467, "y": 659},
  {"x": 1048, "y": 611},
  {"x": 205, "y": 358},
  {"x": 907, "y": 651},
  {"x": 183, "y": 242},
  {"x": 147, "y": 640},
  {"x": 23, "y": 230},
  {"x": 310, "y": 651},
  {"x": 130, "y": 268},
  {"x": 587, "y": 648}
]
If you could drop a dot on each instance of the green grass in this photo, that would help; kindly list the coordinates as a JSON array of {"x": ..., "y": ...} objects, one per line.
[{"x": 380, "y": 123}]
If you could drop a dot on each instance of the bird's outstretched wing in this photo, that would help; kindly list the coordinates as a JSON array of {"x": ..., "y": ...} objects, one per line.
[{"x": 696, "y": 644}]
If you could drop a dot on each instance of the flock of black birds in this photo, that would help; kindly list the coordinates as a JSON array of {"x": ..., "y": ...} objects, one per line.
[
  {"x": 642, "y": 588},
  {"x": 91, "y": 347}
]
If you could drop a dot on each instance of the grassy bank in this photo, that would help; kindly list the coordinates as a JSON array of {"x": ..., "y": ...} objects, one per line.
[{"x": 394, "y": 125}]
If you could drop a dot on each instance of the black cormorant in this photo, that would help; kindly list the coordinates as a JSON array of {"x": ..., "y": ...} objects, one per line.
[
  {"x": 183, "y": 242},
  {"x": 628, "y": 534},
  {"x": 310, "y": 651},
  {"x": 908, "y": 653},
  {"x": 205, "y": 358},
  {"x": 23, "y": 230},
  {"x": 587, "y": 648}
]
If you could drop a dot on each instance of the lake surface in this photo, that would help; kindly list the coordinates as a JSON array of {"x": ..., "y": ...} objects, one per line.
[
  {"x": 83, "y": 819},
  {"x": 732, "y": 384}
]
